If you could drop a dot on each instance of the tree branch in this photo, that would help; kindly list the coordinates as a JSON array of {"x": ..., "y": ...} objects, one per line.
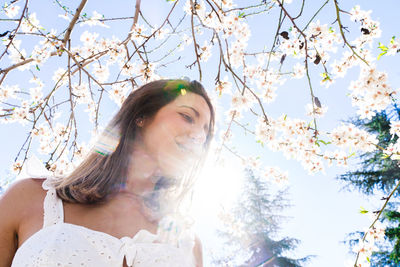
[{"x": 73, "y": 21}]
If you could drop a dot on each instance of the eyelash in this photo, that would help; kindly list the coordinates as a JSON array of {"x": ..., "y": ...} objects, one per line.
[{"x": 187, "y": 118}]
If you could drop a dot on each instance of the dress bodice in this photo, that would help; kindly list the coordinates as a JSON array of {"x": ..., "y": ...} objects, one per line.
[{"x": 64, "y": 244}]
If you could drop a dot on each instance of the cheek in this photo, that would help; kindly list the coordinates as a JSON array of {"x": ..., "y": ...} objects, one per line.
[
  {"x": 159, "y": 139},
  {"x": 174, "y": 127}
]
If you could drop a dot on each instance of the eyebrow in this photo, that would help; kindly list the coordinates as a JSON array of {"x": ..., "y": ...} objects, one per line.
[
  {"x": 196, "y": 113},
  {"x": 194, "y": 110}
]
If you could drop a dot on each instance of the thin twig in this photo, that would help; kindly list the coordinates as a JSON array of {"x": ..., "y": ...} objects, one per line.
[
  {"x": 194, "y": 38},
  {"x": 377, "y": 217},
  {"x": 342, "y": 33},
  {"x": 16, "y": 29},
  {"x": 305, "y": 61}
]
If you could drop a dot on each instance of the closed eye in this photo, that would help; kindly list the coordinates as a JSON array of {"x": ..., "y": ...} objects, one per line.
[{"x": 187, "y": 118}]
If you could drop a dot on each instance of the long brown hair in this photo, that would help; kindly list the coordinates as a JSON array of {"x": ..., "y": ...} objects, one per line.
[{"x": 103, "y": 174}]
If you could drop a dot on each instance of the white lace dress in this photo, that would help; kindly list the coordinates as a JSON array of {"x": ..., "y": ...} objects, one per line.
[{"x": 64, "y": 244}]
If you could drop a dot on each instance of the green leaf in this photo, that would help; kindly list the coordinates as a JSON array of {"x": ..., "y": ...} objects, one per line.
[
  {"x": 325, "y": 77},
  {"x": 382, "y": 47},
  {"x": 37, "y": 67},
  {"x": 363, "y": 211},
  {"x": 381, "y": 54},
  {"x": 260, "y": 142},
  {"x": 323, "y": 142},
  {"x": 241, "y": 14}
]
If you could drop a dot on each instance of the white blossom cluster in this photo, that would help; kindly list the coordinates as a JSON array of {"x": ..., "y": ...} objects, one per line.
[
  {"x": 292, "y": 45},
  {"x": 241, "y": 102},
  {"x": 95, "y": 20},
  {"x": 315, "y": 111},
  {"x": 11, "y": 10},
  {"x": 53, "y": 141},
  {"x": 17, "y": 54},
  {"x": 339, "y": 68},
  {"x": 82, "y": 93},
  {"x": 366, "y": 247},
  {"x": 323, "y": 39},
  {"x": 371, "y": 93},
  {"x": 370, "y": 28},
  {"x": 276, "y": 175},
  {"x": 292, "y": 137},
  {"x": 30, "y": 24},
  {"x": 295, "y": 139},
  {"x": 42, "y": 52},
  {"x": 349, "y": 136},
  {"x": 8, "y": 91},
  {"x": 393, "y": 47},
  {"x": 119, "y": 92},
  {"x": 266, "y": 82},
  {"x": 224, "y": 86},
  {"x": 230, "y": 24}
]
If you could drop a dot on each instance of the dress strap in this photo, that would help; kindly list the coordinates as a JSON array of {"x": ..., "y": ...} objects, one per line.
[{"x": 52, "y": 206}]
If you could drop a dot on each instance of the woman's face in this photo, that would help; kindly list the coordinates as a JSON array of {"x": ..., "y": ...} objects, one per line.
[{"x": 174, "y": 138}]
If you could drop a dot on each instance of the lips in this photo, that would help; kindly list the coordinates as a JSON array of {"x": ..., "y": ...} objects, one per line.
[
  {"x": 183, "y": 148},
  {"x": 188, "y": 148}
]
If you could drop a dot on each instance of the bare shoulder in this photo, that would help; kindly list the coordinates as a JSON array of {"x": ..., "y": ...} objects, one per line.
[
  {"x": 21, "y": 196},
  {"x": 19, "y": 200},
  {"x": 23, "y": 192},
  {"x": 198, "y": 252}
]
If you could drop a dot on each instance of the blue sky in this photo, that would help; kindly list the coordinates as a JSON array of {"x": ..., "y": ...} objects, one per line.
[{"x": 322, "y": 213}]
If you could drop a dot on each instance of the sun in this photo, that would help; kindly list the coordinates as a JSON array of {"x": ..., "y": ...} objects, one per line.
[{"x": 217, "y": 187}]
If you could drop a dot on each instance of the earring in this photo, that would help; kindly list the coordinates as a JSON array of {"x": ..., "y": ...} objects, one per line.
[{"x": 139, "y": 122}]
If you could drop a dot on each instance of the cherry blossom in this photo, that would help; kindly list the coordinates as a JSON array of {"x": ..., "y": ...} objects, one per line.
[
  {"x": 11, "y": 10},
  {"x": 94, "y": 20},
  {"x": 31, "y": 24}
]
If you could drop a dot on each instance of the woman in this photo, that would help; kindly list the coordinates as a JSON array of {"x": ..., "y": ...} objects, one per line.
[{"x": 115, "y": 208}]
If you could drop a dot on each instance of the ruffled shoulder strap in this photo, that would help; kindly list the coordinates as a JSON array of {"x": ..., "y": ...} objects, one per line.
[{"x": 52, "y": 206}]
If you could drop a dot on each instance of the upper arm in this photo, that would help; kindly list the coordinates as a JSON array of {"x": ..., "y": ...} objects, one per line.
[
  {"x": 12, "y": 209},
  {"x": 198, "y": 252}
]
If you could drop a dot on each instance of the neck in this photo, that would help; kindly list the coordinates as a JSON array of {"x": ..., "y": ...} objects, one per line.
[{"x": 143, "y": 172}]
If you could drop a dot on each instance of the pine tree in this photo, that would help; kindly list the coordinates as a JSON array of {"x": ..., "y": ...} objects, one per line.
[
  {"x": 377, "y": 172},
  {"x": 253, "y": 224}
]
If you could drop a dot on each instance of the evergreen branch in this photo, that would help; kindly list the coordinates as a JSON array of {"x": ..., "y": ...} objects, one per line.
[{"x": 377, "y": 217}]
